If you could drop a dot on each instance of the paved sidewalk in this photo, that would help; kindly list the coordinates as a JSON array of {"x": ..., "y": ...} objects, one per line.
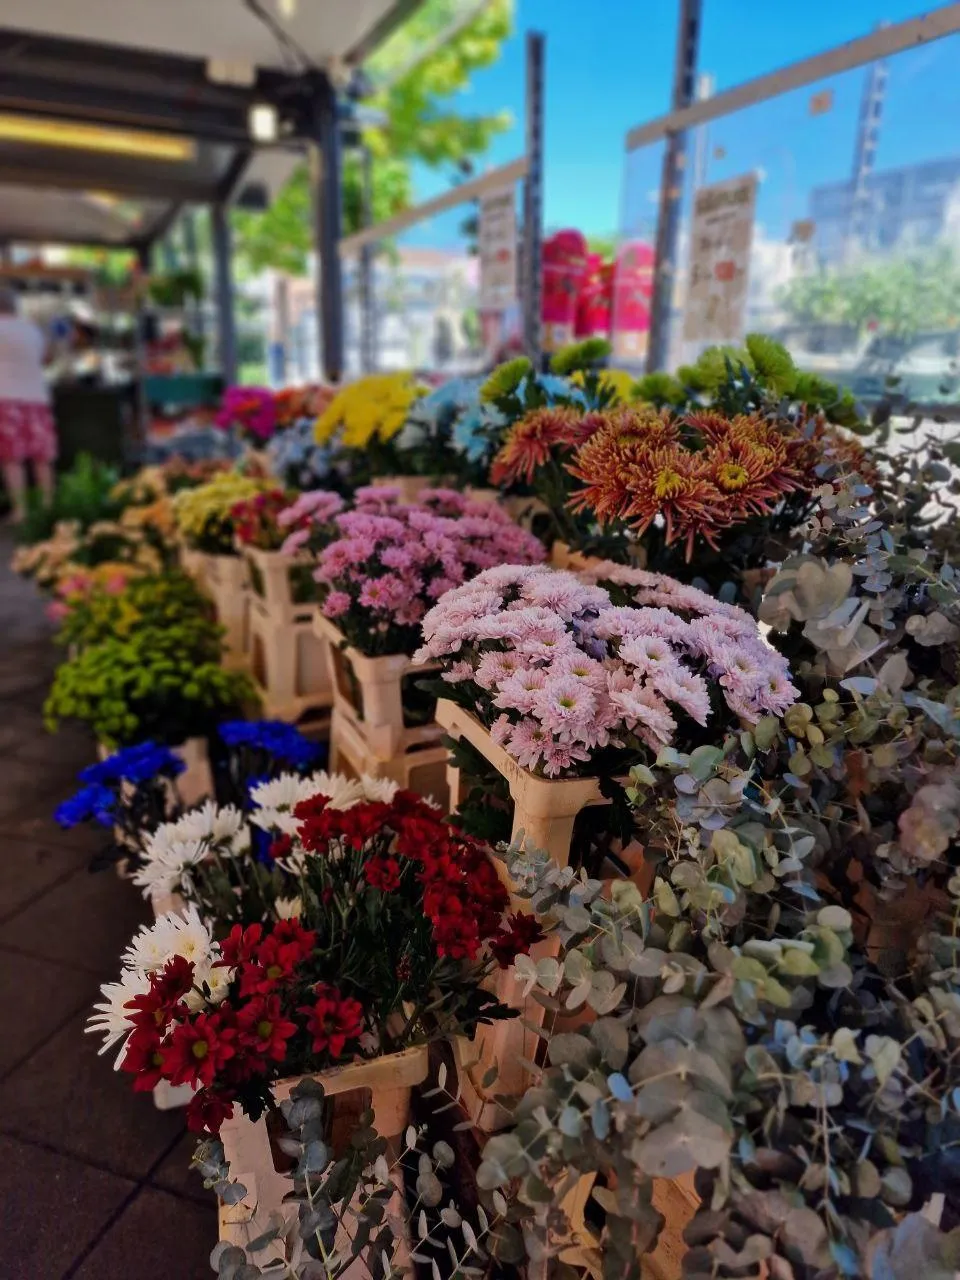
[{"x": 94, "y": 1182}]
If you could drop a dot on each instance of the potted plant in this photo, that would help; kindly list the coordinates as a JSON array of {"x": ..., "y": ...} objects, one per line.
[
  {"x": 561, "y": 689},
  {"x": 369, "y": 934},
  {"x": 205, "y": 524},
  {"x": 377, "y": 580},
  {"x": 362, "y": 421}
]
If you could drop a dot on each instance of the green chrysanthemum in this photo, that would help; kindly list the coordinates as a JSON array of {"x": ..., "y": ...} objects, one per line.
[
  {"x": 505, "y": 379},
  {"x": 580, "y": 356}
]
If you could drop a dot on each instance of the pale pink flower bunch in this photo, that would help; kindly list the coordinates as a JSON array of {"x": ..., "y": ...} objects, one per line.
[
  {"x": 558, "y": 670},
  {"x": 391, "y": 561}
]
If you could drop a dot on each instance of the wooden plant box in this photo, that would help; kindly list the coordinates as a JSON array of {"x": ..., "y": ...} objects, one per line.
[
  {"x": 562, "y": 557},
  {"x": 387, "y": 1080},
  {"x": 410, "y": 486},
  {"x": 287, "y": 660},
  {"x": 224, "y": 580},
  {"x": 545, "y": 809},
  {"x": 368, "y": 733}
]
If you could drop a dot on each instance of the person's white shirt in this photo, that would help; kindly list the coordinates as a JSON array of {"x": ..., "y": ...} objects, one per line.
[{"x": 21, "y": 361}]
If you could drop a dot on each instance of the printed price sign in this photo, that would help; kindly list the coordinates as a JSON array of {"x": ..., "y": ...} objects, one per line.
[
  {"x": 497, "y": 241},
  {"x": 720, "y": 240}
]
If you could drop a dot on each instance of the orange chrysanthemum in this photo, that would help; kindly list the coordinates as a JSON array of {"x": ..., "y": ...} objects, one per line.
[
  {"x": 700, "y": 474},
  {"x": 529, "y": 443}
]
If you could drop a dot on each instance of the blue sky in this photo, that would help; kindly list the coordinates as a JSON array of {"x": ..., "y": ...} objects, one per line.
[{"x": 609, "y": 67}]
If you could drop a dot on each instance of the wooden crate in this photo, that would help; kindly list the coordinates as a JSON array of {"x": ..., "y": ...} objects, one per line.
[
  {"x": 368, "y": 733},
  {"x": 289, "y": 668},
  {"x": 388, "y": 1081},
  {"x": 224, "y": 581},
  {"x": 410, "y": 486},
  {"x": 284, "y": 584},
  {"x": 562, "y": 557}
]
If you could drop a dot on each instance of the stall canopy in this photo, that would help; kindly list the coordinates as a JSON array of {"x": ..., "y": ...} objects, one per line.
[{"x": 114, "y": 115}]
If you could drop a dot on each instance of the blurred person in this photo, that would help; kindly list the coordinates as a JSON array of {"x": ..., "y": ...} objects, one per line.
[{"x": 27, "y": 431}]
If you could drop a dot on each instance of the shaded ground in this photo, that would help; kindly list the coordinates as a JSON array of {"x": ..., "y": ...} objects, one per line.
[{"x": 94, "y": 1181}]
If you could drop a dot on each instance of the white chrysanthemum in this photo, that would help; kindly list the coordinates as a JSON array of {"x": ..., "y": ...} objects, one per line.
[
  {"x": 165, "y": 864},
  {"x": 280, "y": 796},
  {"x": 381, "y": 790},
  {"x": 216, "y": 980},
  {"x": 171, "y": 935},
  {"x": 223, "y": 827},
  {"x": 112, "y": 1019},
  {"x": 288, "y": 908}
]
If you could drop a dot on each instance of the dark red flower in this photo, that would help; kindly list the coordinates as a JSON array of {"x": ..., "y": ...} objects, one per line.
[
  {"x": 332, "y": 1020},
  {"x": 143, "y": 1059},
  {"x": 281, "y": 847},
  {"x": 517, "y": 935},
  {"x": 196, "y": 1051},
  {"x": 278, "y": 958},
  {"x": 240, "y": 945},
  {"x": 207, "y": 1111},
  {"x": 263, "y": 1028},
  {"x": 156, "y": 1007},
  {"x": 383, "y": 873}
]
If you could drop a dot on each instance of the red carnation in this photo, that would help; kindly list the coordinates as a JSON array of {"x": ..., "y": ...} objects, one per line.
[
  {"x": 515, "y": 938},
  {"x": 207, "y": 1111},
  {"x": 196, "y": 1051},
  {"x": 263, "y": 1028},
  {"x": 332, "y": 1020},
  {"x": 383, "y": 873}
]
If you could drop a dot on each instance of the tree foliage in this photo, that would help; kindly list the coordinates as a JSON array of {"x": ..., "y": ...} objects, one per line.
[
  {"x": 420, "y": 125},
  {"x": 900, "y": 297}
]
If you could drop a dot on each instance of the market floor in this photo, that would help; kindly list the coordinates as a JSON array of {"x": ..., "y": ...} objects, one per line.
[{"x": 94, "y": 1182}]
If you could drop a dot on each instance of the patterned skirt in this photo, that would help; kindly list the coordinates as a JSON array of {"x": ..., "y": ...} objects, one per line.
[{"x": 27, "y": 432}]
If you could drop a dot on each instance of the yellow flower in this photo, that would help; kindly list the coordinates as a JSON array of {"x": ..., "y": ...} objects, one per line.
[
  {"x": 377, "y": 404},
  {"x": 194, "y": 508},
  {"x": 618, "y": 381}
]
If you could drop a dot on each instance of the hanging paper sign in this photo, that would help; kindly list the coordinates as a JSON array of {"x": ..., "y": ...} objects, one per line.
[
  {"x": 497, "y": 242},
  {"x": 720, "y": 241}
]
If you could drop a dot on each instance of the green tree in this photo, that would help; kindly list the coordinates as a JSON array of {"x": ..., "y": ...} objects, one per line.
[
  {"x": 901, "y": 296},
  {"x": 412, "y": 90}
]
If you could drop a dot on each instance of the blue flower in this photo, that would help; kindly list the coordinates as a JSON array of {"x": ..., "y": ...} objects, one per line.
[
  {"x": 141, "y": 763},
  {"x": 91, "y": 804},
  {"x": 285, "y": 744}
]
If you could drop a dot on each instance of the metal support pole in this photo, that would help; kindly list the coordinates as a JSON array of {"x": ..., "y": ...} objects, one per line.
[
  {"x": 223, "y": 275},
  {"x": 192, "y": 255},
  {"x": 671, "y": 187},
  {"x": 325, "y": 171},
  {"x": 533, "y": 198},
  {"x": 368, "y": 318}
]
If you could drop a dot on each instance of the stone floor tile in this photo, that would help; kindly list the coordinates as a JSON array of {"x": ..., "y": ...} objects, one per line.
[
  {"x": 37, "y": 997},
  {"x": 85, "y": 921},
  {"x": 27, "y": 868},
  {"x": 175, "y": 1174},
  {"x": 53, "y": 1209},
  {"x": 158, "y": 1237}
]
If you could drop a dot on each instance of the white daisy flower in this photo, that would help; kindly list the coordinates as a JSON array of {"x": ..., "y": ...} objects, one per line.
[
  {"x": 216, "y": 980},
  {"x": 377, "y": 789},
  {"x": 165, "y": 865},
  {"x": 223, "y": 827},
  {"x": 171, "y": 935},
  {"x": 112, "y": 1019},
  {"x": 280, "y": 796}
]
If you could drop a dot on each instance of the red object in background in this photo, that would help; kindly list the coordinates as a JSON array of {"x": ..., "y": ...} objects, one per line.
[
  {"x": 563, "y": 269},
  {"x": 595, "y": 300},
  {"x": 632, "y": 292},
  {"x": 725, "y": 270}
]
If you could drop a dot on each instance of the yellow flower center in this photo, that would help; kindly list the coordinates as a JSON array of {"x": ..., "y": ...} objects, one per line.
[
  {"x": 730, "y": 475},
  {"x": 264, "y": 1029},
  {"x": 201, "y": 1049},
  {"x": 669, "y": 484}
]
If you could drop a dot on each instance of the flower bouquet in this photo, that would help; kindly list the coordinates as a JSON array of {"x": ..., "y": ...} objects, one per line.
[
  {"x": 205, "y": 521},
  {"x": 377, "y": 581},
  {"x": 250, "y": 412},
  {"x": 363, "y": 420},
  {"x": 559, "y": 682},
  {"x": 298, "y": 461}
]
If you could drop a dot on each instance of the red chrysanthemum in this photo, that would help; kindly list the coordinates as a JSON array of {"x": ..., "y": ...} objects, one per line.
[
  {"x": 332, "y": 1020},
  {"x": 530, "y": 442},
  {"x": 155, "y": 1008},
  {"x": 383, "y": 873},
  {"x": 195, "y": 1051},
  {"x": 264, "y": 1031},
  {"x": 143, "y": 1059}
]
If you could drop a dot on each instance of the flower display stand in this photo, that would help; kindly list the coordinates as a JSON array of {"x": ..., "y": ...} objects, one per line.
[
  {"x": 368, "y": 733},
  {"x": 387, "y": 1080},
  {"x": 287, "y": 660},
  {"x": 224, "y": 579},
  {"x": 562, "y": 557},
  {"x": 525, "y": 511},
  {"x": 544, "y": 809}
]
